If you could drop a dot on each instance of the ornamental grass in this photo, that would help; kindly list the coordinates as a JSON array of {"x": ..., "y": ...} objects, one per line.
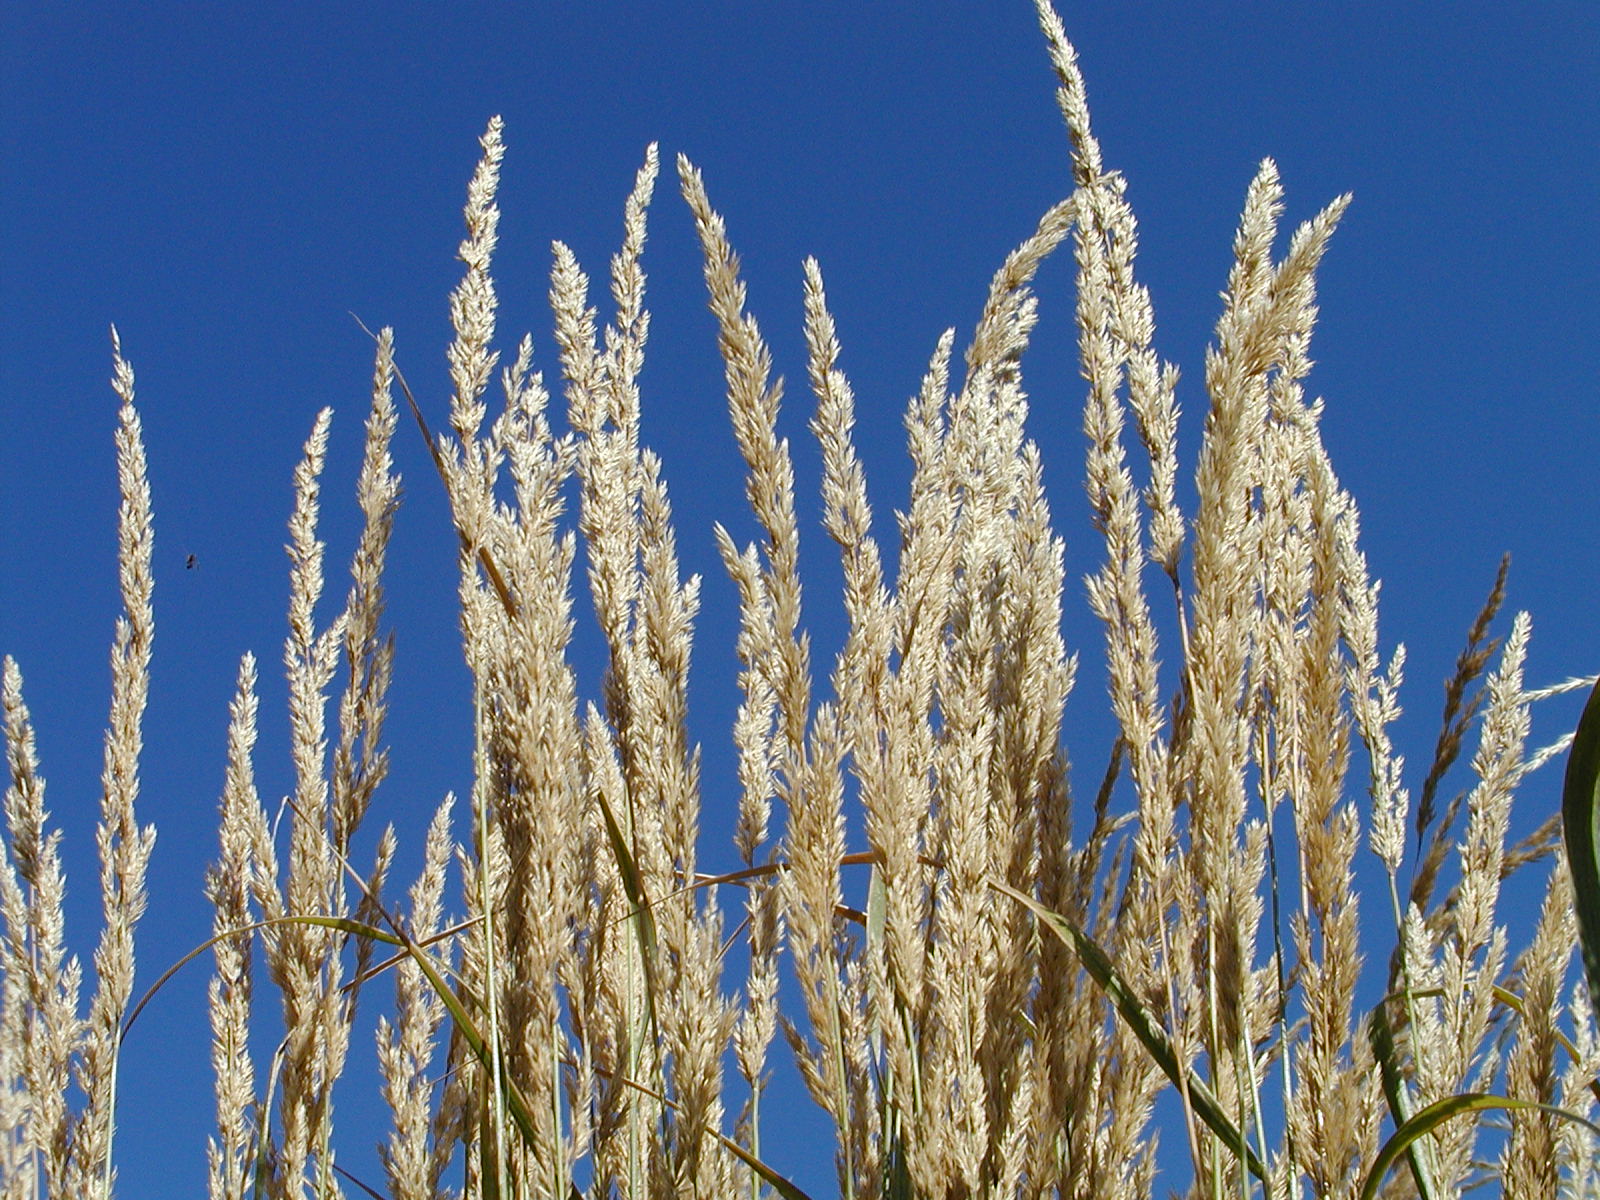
[{"x": 1139, "y": 980}]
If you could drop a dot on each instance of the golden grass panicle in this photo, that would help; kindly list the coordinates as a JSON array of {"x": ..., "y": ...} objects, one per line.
[
  {"x": 1580, "y": 1151},
  {"x": 1532, "y": 1160},
  {"x": 473, "y": 303},
  {"x": 408, "y": 1046},
  {"x": 532, "y": 791},
  {"x": 995, "y": 661},
  {"x": 331, "y": 796},
  {"x": 40, "y": 1028},
  {"x": 776, "y": 678},
  {"x": 1468, "y": 956},
  {"x": 124, "y": 847},
  {"x": 303, "y": 960},
  {"x": 47, "y": 1049},
  {"x": 230, "y": 888},
  {"x": 360, "y": 761},
  {"x": 1333, "y": 1093},
  {"x": 1115, "y": 327},
  {"x": 753, "y": 407}
]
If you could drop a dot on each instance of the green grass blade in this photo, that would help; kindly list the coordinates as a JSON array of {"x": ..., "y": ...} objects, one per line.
[
  {"x": 488, "y": 1159},
  {"x": 515, "y": 1104},
  {"x": 777, "y": 1182},
  {"x": 1144, "y": 1026},
  {"x": 488, "y": 1053},
  {"x": 354, "y": 928},
  {"x": 784, "y": 1188},
  {"x": 633, "y": 887},
  {"x": 1381, "y": 1036},
  {"x": 1514, "y": 1002},
  {"x": 1435, "y": 1115},
  {"x": 1580, "y": 819},
  {"x": 365, "y": 1187}
]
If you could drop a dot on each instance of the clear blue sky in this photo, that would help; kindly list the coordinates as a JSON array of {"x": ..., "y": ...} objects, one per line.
[{"x": 227, "y": 183}]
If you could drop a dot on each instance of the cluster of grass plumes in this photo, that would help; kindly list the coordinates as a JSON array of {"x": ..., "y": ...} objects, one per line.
[{"x": 1025, "y": 971}]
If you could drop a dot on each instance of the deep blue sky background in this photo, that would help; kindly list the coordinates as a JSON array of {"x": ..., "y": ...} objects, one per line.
[{"x": 228, "y": 183}]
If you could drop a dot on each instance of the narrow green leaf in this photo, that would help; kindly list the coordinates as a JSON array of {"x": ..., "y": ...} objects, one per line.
[
  {"x": 485, "y": 559},
  {"x": 1381, "y": 1036},
  {"x": 340, "y": 923},
  {"x": 633, "y": 885},
  {"x": 1580, "y": 819},
  {"x": 877, "y": 907},
  {"x": 1505, "y": 996},
  {"x": 1144, "y": 1026},
  {"x": 344, "y": 925},
  {"x": 365, "y": 1187},
  {"x": 515, "y": 1104},
  {"x": 784, "y": 1188},
  {"x": 877, "y": 917},
  {"x": 1435, "y": 1115},
  {"x": 1514, "y": 1002},
  {"x": 488, "y": 1158},
  {"x": 778, "y": 1183}
]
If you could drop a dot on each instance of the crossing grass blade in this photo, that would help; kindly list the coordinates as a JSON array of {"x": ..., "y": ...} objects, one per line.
[
  {"x": 785, "y": 1187},
  {"x": 1580, "y": 818},
  {"x": 642, "y": 911},
  {"x": 1145, "y": 1027}
]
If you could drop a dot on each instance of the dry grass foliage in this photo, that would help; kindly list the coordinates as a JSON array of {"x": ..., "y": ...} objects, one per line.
[{"x": 570, "y": 1032}]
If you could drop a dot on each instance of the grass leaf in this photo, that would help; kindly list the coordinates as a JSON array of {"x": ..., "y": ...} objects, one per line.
[
  {"x": 1145, "y": 1027},
  {"x": 1381, "y": 1036},
  {"x": 1580, "y": 818},
  {"x": 784, "y": 1188},
  {"x": 1435, "y": 1115}
]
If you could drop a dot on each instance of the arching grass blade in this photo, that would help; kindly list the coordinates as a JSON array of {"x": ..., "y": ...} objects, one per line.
[{"x": 1435, "y": 1115}]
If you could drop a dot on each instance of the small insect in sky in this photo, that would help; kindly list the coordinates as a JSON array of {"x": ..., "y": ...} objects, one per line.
[{"x": 189, "y": 563}]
